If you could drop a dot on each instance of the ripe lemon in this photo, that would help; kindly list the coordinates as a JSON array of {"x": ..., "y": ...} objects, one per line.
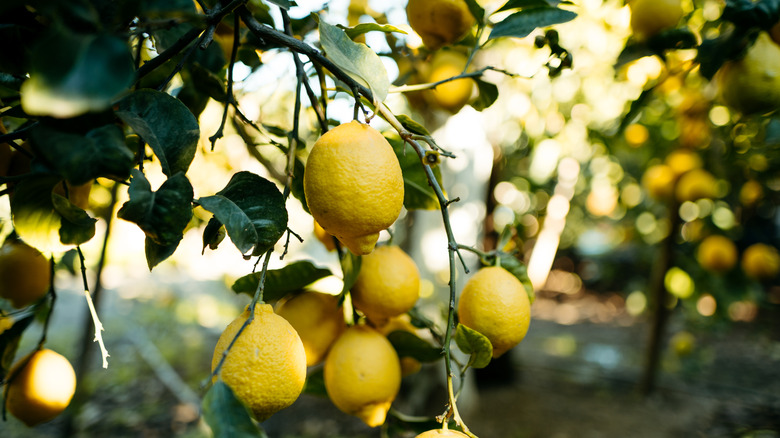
[
  {"x": 452, "y": 95},
  {"x": 409, "y": 365},
  {"x": 495, "y": 303},
  {"x": 42, "y": 388},
  {"x": 752, "y": 84},
  {"x": 324, "y": 237},
  {"x": 658, "y": 181},
  {"x": 717, "y": 253},
  {"x": 388, "y": 284},
  {"x": 77, "y": 195},
  {"x": 363, "y": 374},
  {"x": 761, "y": 261},
  {"x": 317, "y": 318},
  {"x": 696, "y": 184},
  {"x": 441, "y": 433},
  {"x": 266, "y": 367},
  {"x": 353, "y": 185},
  {"x": 439, "y": 22},
  {"x": 25, "y": 274},
  {"x": 649, "y": 17}
]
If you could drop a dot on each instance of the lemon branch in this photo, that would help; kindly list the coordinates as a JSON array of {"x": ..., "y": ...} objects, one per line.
[
  {"x": 464, "y": 75},
  {"x": 229, "y": 89},
  {"x": 95, "y": 320},
  {"x": 53, "y": 294}
]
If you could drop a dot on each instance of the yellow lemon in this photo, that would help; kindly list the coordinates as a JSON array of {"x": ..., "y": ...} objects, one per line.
[
  {"x": 761, "y": 261},
  {"x": 649, "y": 17},
  {"x": 452, "y": 95},
  {"x": 324, "y": 237},
  {"x": 25, "y": 274},
  {"x": 363, "y": 374},
  {"x": 353, "y": 185},
  {"x": 658, "y": 181},
  {"x": 388, "y": 284},
  {"x": 696, "y": 184},
  {"x": 439, "y": 22},
  {"x": 266, "y": 367},
  {"x": 317, "y": 318},
  {"x": 409, "y": 365},
  {"x": 41, "y": 387},
  {"x": 441, "y": 433},
  {"x": 717, "y": 253},
  {"x": 495, "y": 303},
  {"x": 752, "y": 84}
]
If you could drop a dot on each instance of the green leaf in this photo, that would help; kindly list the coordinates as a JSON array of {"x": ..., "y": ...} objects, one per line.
[
  {"x": 519, "y": 270},
  {"x": 362, "y": 28},
  {"x": 226, "y": 415},
  {"x": 418, "y": 194},
  {"x": 409, "y": 345},
  {"x": 9, "y": 342},
  {"x": 488, "y": 93},
  {"x": 356, "y": 59},
  {"x": 262, "y": 203},
  {"x": 238, "y": 225},
  {"x": 156, "y": 253},
  {"x": 350, "y": 268},
  {"x": 412, "y": 126},
  {"x": 474, "y": 343},
  {"x": 296, "y": 187},
  {"x": 522, "y": 23},
  {"x": 315, "y": 383},
  {"x": 162, "y": 215},
  {"x": 280, "y": 282},
  {"x": 35, "y": 218},
  {"x": 79, "y": 158},
  {"x": 76, "y": 73},
  {"x": 76, "y": 225},
  {"x": 528, "y": 4},
  {"x": 477, "y": 11},
  {"x": 166, "y": 124}
]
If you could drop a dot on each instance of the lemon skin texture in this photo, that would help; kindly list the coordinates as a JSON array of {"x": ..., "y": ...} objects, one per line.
[
  {"x": 440, "y": 433},
  {"x": 318, "y": 319},
  {"x": 439, "y": 22},
  {"x": 717, "y": 254},
  {"x": 363, "y": 374},
  {"x": 495, "y": 303},
  {"x": 388, "y": 284},
  {"x": 751, "y": 85},
  {"x": 25, "y": 274},
  {"x": 266, "y": 367},
  {"x": 41, "y": 388},
  {"x": 761, "y": 261},
  {"x": 353, "y": 185},
  {"x": 649, "y": 17}
]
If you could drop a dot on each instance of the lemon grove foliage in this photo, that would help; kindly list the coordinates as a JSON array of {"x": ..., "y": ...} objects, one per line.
[{"x": 111, "y": 94}]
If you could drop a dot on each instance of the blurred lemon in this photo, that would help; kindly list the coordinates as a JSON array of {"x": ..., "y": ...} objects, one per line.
[
  {"x": 439, "y": 22},
  {"x": 452, "y": 95},
  {"x": 761, "y": 261},
  {"x": 752, "y": 84},
  {"x": 658, "y": 181},
  {"x": 683, "y": 160},
  {"x": 750, "y": 193},
  {"x": 25, "y": 274},
  {"x": 717, "y": 253},
  {"x": 649, "y": 17},
  {"x": 696, "y": 184},
  {"x": 41, "y": 387}
]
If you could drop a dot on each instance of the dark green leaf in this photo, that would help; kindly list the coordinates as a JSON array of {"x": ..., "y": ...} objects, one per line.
[
  {"x": 34, "y": 217},
  {"x": 350, "y": 268},
  {"x": 263, "y": 203},
  {"x": 284, "y": 4},
  {"x": 356, "y": 59},
  {"x": 213, "y": 234},
  {"x": 519, "y": 270},
  {"x": 9, "y": 342},
  {"x": 528, "y": 4},
  {"x": 408, "y": 345},
  {"x": 412, "y": 126},
  {"x": 296, "y": 187},
  {"x": 208, "y": 83},
  {"x": 522, "y": 23},
  {"x": 488, "y": 93},
  {"x": 418, "y": 194},
  {"x": 315, "y": 384},
  {"x": 362, "y": 28},
  {"x": 280, "y": 282},
  {"x": 238, "y": 225},
  {"x": 166, "y": 124},
  {"x": 156, "y": 253},
  {"x": 475, "y": 344},
  {"x": 226, "y": 415},
  {"x": 162, "y": 215},
  {"x": 76, "y": 73},
  {"x": 76, "y": 225},
  {"x": 82, "y": 158}
]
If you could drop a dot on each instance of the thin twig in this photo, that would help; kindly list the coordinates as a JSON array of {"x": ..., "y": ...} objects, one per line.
[
  {"x": 53, "y": 294},
  {"x": 464, "y": 75},
  {"x": 92, "y": 311},
  {"x": 229, "y": 93}
]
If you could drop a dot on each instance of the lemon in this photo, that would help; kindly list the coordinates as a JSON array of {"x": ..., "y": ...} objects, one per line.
[
  {"x": 439, "y": 22},
  {"x": 388, "y": 284},
  {"x": 452, "y": 95},
  {"x": 441, "y": 433},
  {"x": 658, "y": 181},
  {"x": 363, "y": 374},
  {"x": 324, "y": 237},
  {"x": 717, "y": 253},
  {"x": 649, "y": 17},
  {"x": 752, "y": 84},
  {"x": 25, "y": 274},
  {"x": 317, "y": 318},
  {"x": 696, "y": 184},
  {"x": 761, "y": 261},
  {"x": 41, "y": 388},
  {"x": 266, "y": 367},
  {"x": 353, "y": 185},
  {"x": 409, "y": 365},
  {"x": 495, "y": 303}
]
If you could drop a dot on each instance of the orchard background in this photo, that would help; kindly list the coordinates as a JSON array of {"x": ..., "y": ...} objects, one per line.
[{"x": 593, "y": 154}]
